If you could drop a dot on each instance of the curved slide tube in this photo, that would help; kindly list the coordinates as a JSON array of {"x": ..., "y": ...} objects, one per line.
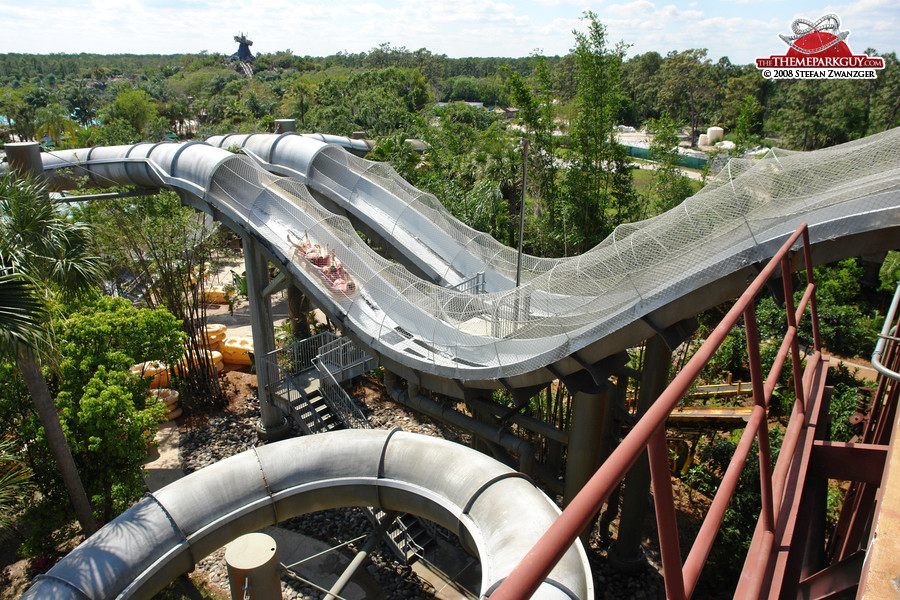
[
  {"x": 495, "y": 511},
  {"x": 447, "y": 251},
  {"x": 646, "y": 277},
  {"x": 571, "y": 312},
  {"x": 375, "y": 197}
]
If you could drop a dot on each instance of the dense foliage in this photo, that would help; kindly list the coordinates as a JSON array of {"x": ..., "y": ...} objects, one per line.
[
  {"x": 103, "y": 408},
  {"x": 581, "y": 184}
]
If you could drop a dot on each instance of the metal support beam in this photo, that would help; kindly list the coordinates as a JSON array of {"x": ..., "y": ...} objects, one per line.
[
  {"x": 482, "y": 415},
  {"x": 585, "y": 444},
  {"x": 626, "y": 553},
  {"x": 65, "y": 197},
  {"x": 273, "y": 425},
  {"x": 848, "y": 461},
  {"x": 360, "y": 557},
  {"x": 279, "y": 283}
]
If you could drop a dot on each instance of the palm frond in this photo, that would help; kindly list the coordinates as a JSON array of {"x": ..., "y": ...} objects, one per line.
[
  {"x": 21, "y": 313},
  {"x": 14, "y": 480}
]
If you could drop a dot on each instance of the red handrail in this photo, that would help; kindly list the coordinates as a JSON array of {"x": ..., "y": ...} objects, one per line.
[{"x": 649, "y": 433}]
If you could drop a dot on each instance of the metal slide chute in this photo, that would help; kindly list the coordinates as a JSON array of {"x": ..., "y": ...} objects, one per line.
[{"x": 497, "y": 513}]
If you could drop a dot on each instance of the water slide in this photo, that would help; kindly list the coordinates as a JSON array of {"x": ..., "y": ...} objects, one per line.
[
  {"x": 497, "y": 513},
  {"x": 569, "y": 313}
]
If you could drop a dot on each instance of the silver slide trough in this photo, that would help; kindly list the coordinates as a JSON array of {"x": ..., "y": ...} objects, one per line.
[{"x": 496, "y": 512}]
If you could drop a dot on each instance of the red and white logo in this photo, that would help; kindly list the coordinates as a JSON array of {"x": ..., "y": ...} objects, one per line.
[{"x": 818, "y": 50}]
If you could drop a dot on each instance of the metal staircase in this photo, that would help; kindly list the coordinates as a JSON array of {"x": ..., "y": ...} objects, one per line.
[
  {"x": 308, "y": 388},
  {"x": 307, "y": 382}
]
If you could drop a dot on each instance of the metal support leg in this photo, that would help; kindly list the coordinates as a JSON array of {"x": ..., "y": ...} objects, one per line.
[
  {"x": 273, "y": 425},
  {"x": 626, "y": 553},
  {"x": 252, "y": 562},
  {"x": 483, "y": 416},
  {"x": 360, "y": 557},
  {"x": 585, "y": 443}
]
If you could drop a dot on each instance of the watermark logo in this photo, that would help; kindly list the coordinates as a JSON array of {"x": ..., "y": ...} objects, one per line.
[{"x": 818, "y": 50}]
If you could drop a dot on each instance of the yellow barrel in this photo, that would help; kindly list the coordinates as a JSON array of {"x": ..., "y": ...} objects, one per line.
[
  {"x": 217, "y": 294},
  {"x": 155, "y": 369},
  {"x": 236, "y": 350},
  {"x": 213, "y": 334}
]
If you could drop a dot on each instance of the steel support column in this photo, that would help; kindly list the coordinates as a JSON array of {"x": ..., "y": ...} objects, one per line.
[
  {"x": 585, "y": 444},
  {"x": 626, "y": 552},
  {"x": 272, "y": 423},
  {"x": 473, "y": 399}
]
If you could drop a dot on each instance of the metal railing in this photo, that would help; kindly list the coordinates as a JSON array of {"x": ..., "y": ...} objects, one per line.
[
  {"x": 298, "y": 357},
  {"x": 856, "y": 529},
  {"x": 650, "y": 434},
  {"x": 342, "y": 405},
  {"x": 472, "y": 285},
  {"x": 340, "y": 356},
  {"x": 888, "y": 334},
  {"x": 289, "y": 362}
]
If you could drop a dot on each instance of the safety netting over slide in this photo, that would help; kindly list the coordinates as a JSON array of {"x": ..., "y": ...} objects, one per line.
[
  {"x": 563, "y": 304},
  {"x": 778, "y": 185}
]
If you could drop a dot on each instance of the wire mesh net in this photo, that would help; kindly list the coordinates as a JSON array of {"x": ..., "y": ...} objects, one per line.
[
  {"x": 495, "y": 329},
  {"x": 563, "y": 304}
]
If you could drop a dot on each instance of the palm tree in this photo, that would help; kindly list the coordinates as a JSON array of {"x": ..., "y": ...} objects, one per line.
[
  {"x": 54, "y": 122},
  {"x": 40, "y": 253}
]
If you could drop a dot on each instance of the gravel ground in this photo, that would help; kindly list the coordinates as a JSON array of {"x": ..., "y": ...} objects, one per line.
[{"x": 223, "y": 436}]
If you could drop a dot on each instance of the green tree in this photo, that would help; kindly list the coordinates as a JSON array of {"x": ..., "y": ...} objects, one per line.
[
  {"x": 641, "y": 77},
  {"x": 687, "y": 86},
  {"x": 81, "y": 100},
  {"x": 299, "y": 99},
  {"x": 816, "y": 114},
  {"x": 36, "y": 241},
  {"x": 10, "y": 104},
  {"x": 885, "y": 112},
  {"x": 134, "y": 107},
  {"x": 599, "y": 185},
  {"x": 736, "y": 90},
  {"x": 165, "y": 245},
  {"x": 15, "y": 478},
  {"x": 747, "y": 124},
  {"x": 537, "y": 111},
  {"x": 54, "y": 122},
  {"x": 889, "y": 274},
  {"x": 669, "y": 187},
  {"x": 104, "y": 408},
  {"x": 496, "y": 159}
]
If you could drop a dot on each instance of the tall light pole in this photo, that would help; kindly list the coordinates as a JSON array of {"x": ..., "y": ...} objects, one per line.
[{"x": 522, "y": 209}]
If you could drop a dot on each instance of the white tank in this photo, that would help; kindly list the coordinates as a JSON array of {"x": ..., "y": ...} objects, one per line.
[{"x": 715, "y": 134}]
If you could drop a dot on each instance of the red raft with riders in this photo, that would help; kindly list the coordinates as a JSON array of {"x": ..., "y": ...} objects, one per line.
[{"x": 324, "y": 262}]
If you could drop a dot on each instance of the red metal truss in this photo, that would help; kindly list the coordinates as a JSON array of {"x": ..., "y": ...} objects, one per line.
[{"x": 783, "y": 517}]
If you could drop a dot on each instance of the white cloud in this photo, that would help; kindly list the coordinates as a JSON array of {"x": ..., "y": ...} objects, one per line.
[
  {"x": 464, "y": 28},
  {"x": 560, "y": 2}
]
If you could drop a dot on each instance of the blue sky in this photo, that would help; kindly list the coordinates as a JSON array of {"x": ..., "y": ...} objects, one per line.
[{"x": 739, "y": 29}]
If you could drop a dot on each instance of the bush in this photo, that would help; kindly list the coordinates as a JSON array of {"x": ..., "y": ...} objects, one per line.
[
  {"x": 725, "y": 561},
  {"x": 102, "y": 408}
]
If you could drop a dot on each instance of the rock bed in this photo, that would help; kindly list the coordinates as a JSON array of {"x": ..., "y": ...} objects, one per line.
[{"x": 223, "y": 436}]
